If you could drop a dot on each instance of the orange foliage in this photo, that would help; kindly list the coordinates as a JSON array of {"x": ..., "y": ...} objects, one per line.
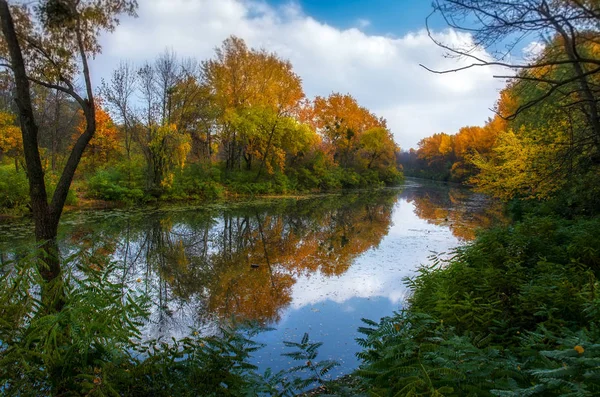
[
  {"x": 435, "y": 148},
  {"x": 341, "y": 121},
  {"x": 105, "y": 143},
  {"x": 453, "y": 209}
]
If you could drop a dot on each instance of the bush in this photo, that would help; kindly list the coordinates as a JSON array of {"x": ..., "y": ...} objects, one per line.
[
  {"x": 198, "y": 180},
  {"x": 391, "y": 176},
  {"x": 14, "y": 189},
  {"x": 306, "y": 180},
  {"x": 539, "y": 271},
  {"x": 513, "y": 314},
  {"x": 350, "y": 179},
  {"x": 412, "y": 353},
  {"x": 110, "y": 185},
  {"x": 52, "y": 181},
  {"x": 44, "y": 352}
]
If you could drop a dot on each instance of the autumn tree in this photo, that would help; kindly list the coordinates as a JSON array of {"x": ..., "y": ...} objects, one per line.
[
  {"x": 564, "y": 73},
  {"x": 520, "y": 167},
  {"x": 104, "y": 146},
  {"x": 247, "y": 81},
  {"x": 341, "y": 121},
  {"x": 118, "y": 94},
  {"x": 195, "y": 112},
  {"x": 164, "y": 146},
  {"x": 436, "y": 149},
  {"x": 11, "y": 140},
  {"x": 377, "y": 148},
  {"x": 473, "y": 141},
  {"x": 49, "y": 44}
]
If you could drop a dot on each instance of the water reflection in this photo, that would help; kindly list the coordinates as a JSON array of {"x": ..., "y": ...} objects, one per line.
[
  {"x": 207, "y": 267},
  {"x": 315, "y": 265},
  {"x": 463, "y": 211}
]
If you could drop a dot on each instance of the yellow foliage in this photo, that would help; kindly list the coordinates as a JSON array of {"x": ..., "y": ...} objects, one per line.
[
  {"x": 520, "y": 166},
  {"x": 11, "y": 139}
]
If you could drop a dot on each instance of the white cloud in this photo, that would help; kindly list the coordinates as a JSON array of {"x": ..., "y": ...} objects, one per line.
[{"x": 382, "y": 72}]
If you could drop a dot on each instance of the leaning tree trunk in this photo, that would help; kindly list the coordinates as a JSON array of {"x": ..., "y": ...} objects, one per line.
[{"x": 46, "y": 215}]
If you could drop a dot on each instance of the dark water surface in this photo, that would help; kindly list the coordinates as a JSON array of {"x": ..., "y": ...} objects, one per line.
[{"x": 315, "y": 265}]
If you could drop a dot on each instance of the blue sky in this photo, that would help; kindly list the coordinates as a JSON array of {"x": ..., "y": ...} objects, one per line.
[
  {"x": 369, "y": 49},
  {"x": 395, "y": 17}
]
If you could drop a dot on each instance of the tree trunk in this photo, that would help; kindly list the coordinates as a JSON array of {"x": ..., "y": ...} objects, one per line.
[
  {"x": 264, "y": 159},
  {"x": 46, "y": 216},
  {"x": 44, "y": 224}
]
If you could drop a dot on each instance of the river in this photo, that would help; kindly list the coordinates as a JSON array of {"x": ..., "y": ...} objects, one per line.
[{"x": 316, "y": 264}]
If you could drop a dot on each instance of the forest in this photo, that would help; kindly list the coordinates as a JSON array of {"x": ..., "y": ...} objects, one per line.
[
  {"x": 176, "y": 129},
  {"x": 515, "y": 312}
]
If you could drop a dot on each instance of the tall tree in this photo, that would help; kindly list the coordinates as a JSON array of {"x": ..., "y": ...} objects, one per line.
[
  {"x": 160, "y": 139},
  {"x": 118, "y": 93},
  {"x": 377, "y": 148},
  {"x": 194, "y": 111},
  {"x": 247, "y": 81},
  {"x": 49, "y": 44}
]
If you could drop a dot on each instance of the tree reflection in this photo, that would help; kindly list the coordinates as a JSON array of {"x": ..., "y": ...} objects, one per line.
[
  {"x": 458, "y": 208},
  {"x": 237, "y": 264},
  {"x": 203, "y": 267}
]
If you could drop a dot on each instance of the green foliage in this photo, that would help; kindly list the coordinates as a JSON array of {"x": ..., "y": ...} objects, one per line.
[
  {"x": 112, "y": 185},
  {"x": 290, "y": 382},
  {"x": 542, "y": 270},
  {"x": 307, "y": 353},
  {"x": 92, "y": 346},
  {"x": 570, "y": 368},
  {"x": 44, "y": 352},
  {"x": 192, "y": 366},
  {"x": 14, "y": 189},
  {"x": 52, "y": 181},
  {"x": 245, "y": 183},
  {"x": 513, "y": 314},
  {"x": 413, "y": 354},
  {"x": 197, "y": 181}
]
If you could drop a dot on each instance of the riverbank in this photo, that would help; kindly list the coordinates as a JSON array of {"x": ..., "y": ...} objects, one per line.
[
  {"x": 111, "y": 188},
  {"x": 514, "y": 313},
  {"x": 491, "y": 316}
]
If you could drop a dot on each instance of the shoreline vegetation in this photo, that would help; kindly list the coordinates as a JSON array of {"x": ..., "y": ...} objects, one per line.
[{"x": 222, "y": 193}]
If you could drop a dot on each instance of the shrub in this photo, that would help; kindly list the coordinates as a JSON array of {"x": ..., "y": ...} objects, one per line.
[
  {"x": 52, "y": 181},
  {"x": 306, "y": 180},
  {"x": 110, "y": 185},
  {"x": 513, "y": 314},
  {"x": 14, "y": 189},
  {"x": 350, "y": 179}
]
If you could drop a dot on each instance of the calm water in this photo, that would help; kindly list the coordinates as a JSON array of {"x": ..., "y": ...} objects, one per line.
[{"x": 315, "y": 265}]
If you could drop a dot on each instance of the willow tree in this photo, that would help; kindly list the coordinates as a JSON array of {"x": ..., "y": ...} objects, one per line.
[{"x": 49, "y": 42}]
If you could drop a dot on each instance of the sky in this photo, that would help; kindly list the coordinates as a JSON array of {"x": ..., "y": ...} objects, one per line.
[{"x": 369, "y": 49}]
